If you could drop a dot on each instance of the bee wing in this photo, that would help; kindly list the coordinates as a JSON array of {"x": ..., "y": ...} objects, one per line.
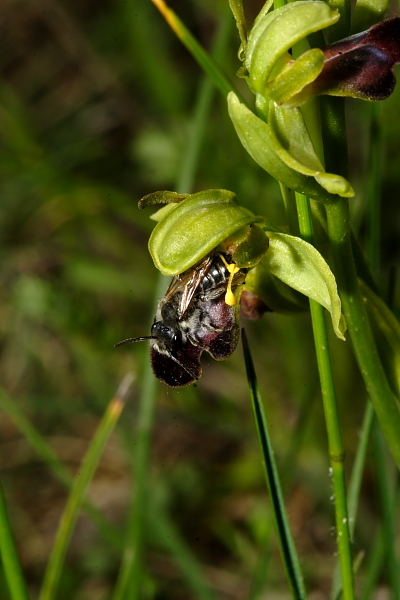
[{"x": 187, "y": 283}]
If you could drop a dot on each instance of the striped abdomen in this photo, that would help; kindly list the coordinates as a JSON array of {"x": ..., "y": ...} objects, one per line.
[{"x": 216, "y": 277}]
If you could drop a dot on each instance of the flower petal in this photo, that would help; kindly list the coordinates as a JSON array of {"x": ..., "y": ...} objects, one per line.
[
  {"x": 298, "y": 264},
  {"x": 292, "y": 143},
  {"x": 275, "y": 33}
]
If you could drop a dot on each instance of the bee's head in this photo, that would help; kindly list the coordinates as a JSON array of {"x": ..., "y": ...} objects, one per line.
[{"x": 169, "y": 337}]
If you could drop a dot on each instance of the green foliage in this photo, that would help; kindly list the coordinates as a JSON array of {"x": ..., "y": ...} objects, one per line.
[{"x": 96, "y": 111}]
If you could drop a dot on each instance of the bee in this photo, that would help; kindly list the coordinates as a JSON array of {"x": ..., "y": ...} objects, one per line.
[{"x": 198, "y": 313}]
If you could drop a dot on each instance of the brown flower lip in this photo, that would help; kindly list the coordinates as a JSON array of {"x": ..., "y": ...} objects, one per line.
[{"x": 361, "y": 65}]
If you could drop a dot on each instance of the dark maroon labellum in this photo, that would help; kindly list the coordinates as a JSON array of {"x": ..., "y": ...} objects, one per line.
[{"x": 361, "y": 65}]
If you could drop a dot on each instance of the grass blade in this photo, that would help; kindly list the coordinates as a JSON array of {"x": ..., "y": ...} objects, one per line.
[
  {"x": 46, "y": 453},
  {"x": 388, "y": 510},
  {"x": 335, "y": 443},
  {"x": 9, "y": 556},
  {"x": 129, "y": 579},
  {"x": 204, "y": 60},
  {"x": 285, "y": 538},
  {"x": 81, "y": 482}
]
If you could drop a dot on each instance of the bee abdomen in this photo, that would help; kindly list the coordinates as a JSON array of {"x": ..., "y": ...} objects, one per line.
[{"x": 216, "y": 276}]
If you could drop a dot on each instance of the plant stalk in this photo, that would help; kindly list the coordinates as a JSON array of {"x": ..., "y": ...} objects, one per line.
[
  {"x": 338, "y": 218},
  {"x": 336, "y": 449}
]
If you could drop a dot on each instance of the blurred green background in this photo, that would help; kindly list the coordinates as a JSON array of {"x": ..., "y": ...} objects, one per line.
[{"x": 96, "y": 110}]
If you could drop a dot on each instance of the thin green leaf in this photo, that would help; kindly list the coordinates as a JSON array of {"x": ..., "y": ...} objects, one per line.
[
  {"x": 388, "y": 508},
  {"x": 46, "y": 453},
  {"x": 285, "y": 538},
  {"x": 205, "y": 61},
  {"x": 9, "y": 556},
  {"x": 386, "y": 329},
  {"x": 384, "y": 401},
  {"x": 75, "y": 500}
]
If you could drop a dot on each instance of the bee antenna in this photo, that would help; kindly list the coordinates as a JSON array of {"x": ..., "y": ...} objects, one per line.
[
  {"x": 138, "y": 339},
  {"x": 188, "y": 371}
]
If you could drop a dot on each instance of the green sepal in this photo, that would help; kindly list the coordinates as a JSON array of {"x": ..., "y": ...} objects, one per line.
[
  {"x": 195, "y": 227},
  {"x": 255, "y": 136},
  {"x": 162, "y": 212},
  {"x": 247, "y": 246},
  {"x": 298, "y": 264},
  {"x": 236, "y": 7},
  {"x": 386, "y": 330},
  {"x": 163, "y": 197},
  {"x": 278, "y": 296},
  {"x": 276, "y": 32},
  {"x": 295, "y": 76},
  {"x": 292, "y": 143}
]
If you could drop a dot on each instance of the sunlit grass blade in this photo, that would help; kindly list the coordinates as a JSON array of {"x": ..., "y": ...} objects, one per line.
[
  {"x": 9, "y": 556},
  {"x": 46, "y": 453},
  {"x": 285, "y": 538},
  {"x": 205, "y": 61},
  {"x": 75, "y": 500},
  {"x": 129, "y": 578}
]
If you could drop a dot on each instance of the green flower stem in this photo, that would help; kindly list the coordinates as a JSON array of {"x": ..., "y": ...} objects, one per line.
[
  {"x": 354, "y": 488},
  {"x": 9, "y": 556},
  {"x": 285, "y": 538},
  {"x": 381, "y": 395},
  {"x": 289, "y": 200},
  {"x": 374, "y": 180},
  {"x": 336, "y": 449}
]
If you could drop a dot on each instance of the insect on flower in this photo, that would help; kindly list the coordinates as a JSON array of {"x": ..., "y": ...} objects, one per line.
[{"x": 198, "y": 312}]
